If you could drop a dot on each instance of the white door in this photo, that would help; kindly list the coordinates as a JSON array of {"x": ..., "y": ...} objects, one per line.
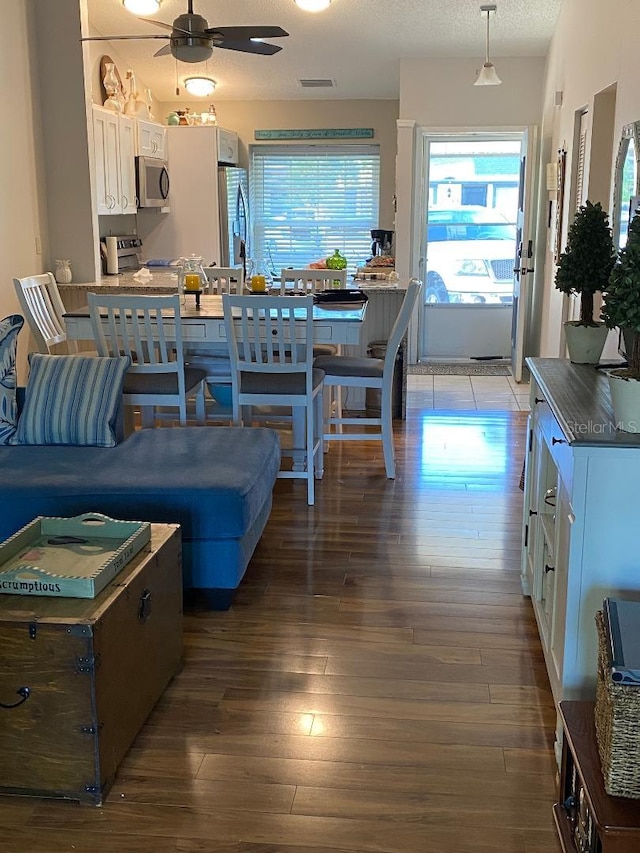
[
  {"x": 523, "y": 268},
  {"x": 470, "y": 200}
]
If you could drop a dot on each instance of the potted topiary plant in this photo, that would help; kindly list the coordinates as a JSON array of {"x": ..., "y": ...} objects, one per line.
[
  {"x": 584, "y": 268},
  {"x": 622, "y": 309}
]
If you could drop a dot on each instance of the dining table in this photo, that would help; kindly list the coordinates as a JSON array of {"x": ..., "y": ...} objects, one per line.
[{"x": 203, "y": 326}]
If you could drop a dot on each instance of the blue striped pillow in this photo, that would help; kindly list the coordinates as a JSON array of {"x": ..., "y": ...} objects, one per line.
[
  {"x": 72, "y": 400},
  {"x": 9, "y": 328}
]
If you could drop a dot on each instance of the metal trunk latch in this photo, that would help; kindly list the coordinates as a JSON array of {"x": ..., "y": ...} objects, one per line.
[{"x": 144, "y": 606}]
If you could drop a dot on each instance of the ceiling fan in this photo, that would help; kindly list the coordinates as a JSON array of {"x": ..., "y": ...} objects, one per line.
[{"x": 193, "y": 40}]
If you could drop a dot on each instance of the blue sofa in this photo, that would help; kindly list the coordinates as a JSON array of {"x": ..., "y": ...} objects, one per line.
[{"x": 215, "y": 482}]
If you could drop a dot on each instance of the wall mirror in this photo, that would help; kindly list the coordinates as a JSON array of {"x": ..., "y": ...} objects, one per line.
[{"x": 626, "y": 183}]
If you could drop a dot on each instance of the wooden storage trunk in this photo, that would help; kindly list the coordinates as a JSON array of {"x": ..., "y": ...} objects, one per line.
[{"x": 94, "y": 669}]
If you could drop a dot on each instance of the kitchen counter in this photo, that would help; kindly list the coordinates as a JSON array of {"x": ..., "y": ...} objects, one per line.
[
  {"x": 74, "y": 295},
  {"x": 162, "y": 281}
]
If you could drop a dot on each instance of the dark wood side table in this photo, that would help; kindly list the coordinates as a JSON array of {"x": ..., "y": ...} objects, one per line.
[{"x": 588, "y": 820}]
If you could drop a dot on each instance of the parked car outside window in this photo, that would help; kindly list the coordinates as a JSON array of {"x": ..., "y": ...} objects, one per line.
[{"x": 470, "y": 256}]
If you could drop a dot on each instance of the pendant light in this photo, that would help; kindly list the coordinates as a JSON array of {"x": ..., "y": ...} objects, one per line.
[{"x": 488, "y": 75}]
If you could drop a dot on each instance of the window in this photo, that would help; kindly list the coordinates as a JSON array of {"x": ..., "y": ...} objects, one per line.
[{"x": 307, "y": 201}]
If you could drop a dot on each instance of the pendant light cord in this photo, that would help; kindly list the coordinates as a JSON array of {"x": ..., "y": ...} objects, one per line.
[{"x": 487, "y": 50}]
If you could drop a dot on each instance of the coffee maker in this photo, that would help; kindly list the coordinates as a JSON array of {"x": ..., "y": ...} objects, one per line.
[{"x": 382, "y": 242}]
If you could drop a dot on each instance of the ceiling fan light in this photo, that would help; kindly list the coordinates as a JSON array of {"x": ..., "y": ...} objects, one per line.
[
  {"x": 142, "y": 7},
  {"x": 201, "y": 87},
  {"x": 313, "y": 5},
  {"x": 488, "y": 76}
]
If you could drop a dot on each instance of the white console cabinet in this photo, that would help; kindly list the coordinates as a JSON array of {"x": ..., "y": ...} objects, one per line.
[
  {"x": 114, "y": 151},
  {"x": 581, "y": 526}
]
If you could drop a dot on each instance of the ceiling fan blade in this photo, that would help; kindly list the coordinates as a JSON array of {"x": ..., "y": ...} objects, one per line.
[
  {"x": 120, "y": 38},
  {"x": 164, "y": 51},
  {"x": 250, "y": 47},
  {"x": 246, "y": 33},
  {"x": 166, "y": 26}
]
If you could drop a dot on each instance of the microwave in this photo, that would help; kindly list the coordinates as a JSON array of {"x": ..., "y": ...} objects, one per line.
[{"x": 152, "y": 182}]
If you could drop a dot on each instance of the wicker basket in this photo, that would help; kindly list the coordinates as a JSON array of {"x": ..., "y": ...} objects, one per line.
[{"x": 617, "y": 719}]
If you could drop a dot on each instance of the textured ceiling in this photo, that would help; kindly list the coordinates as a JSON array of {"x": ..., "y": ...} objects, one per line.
[{"x": 356, "y": 43}]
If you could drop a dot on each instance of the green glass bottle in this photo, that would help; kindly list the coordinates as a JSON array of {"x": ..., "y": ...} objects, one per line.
[{"x": 337, "y": 261}]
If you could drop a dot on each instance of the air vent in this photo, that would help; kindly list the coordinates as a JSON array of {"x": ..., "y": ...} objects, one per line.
[{"x": 317, "y": 84}]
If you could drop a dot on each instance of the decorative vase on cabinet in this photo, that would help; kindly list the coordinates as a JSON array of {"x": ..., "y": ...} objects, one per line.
[{"x": 111, "y": 85}]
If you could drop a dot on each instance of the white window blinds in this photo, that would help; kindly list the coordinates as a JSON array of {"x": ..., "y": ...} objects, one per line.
[
  {"x": 582, "y": 146},
  {"x": 307, "y": 201}
]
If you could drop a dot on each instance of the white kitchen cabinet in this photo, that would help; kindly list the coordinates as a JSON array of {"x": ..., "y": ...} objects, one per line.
[
  {"x": 127, "y": 145},
  {"x": 227, "y": 146},
  {"x": 151, "y": 139},
  {"x": 114, "y": 151},
  {"x": 581, "y": 517}
]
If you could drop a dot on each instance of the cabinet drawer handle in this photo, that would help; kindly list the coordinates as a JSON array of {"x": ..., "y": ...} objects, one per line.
[
  {"x": 548, "y": 569},
  {"x": 539, "y": 400},
  {"x": 555, "y": 440}
]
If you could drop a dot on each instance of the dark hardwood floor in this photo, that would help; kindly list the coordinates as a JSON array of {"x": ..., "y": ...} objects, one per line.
[{"x": 378, "y": 684}]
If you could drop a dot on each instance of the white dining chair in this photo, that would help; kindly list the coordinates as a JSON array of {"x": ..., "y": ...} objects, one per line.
[
  {"x": 225, "y": 279},
  {"x": 148, "y": 330},
  {"x": 271, "y": 348},
  {"x": 345, "y": 371},
  {"x": 42, "y": 306},
  {"x": 311, "y": 280},
  {"x": 217, "y": 363}
]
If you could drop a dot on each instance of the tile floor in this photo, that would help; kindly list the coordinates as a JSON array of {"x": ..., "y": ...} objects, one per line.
[{"x": 498, "y": 393}]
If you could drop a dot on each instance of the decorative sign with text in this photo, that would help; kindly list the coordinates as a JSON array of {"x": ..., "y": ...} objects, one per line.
[{"x": 317, "y": 133}]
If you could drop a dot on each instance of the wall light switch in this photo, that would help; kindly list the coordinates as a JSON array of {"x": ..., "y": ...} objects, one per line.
[{"x": 38, "y": 245}]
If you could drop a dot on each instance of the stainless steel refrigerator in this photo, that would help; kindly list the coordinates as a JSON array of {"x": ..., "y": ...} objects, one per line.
[{"x": 233, "y": 195}]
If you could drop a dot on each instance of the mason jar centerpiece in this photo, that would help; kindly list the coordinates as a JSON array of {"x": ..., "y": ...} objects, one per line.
[
  {"x": 259, "y": 277},
  {"x": 192, "y": 277}
]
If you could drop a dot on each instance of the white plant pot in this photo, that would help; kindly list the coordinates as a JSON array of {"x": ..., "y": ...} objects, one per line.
[
  {"x": 585, "y": 343},
  {"x": 625, "y": 399}
]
